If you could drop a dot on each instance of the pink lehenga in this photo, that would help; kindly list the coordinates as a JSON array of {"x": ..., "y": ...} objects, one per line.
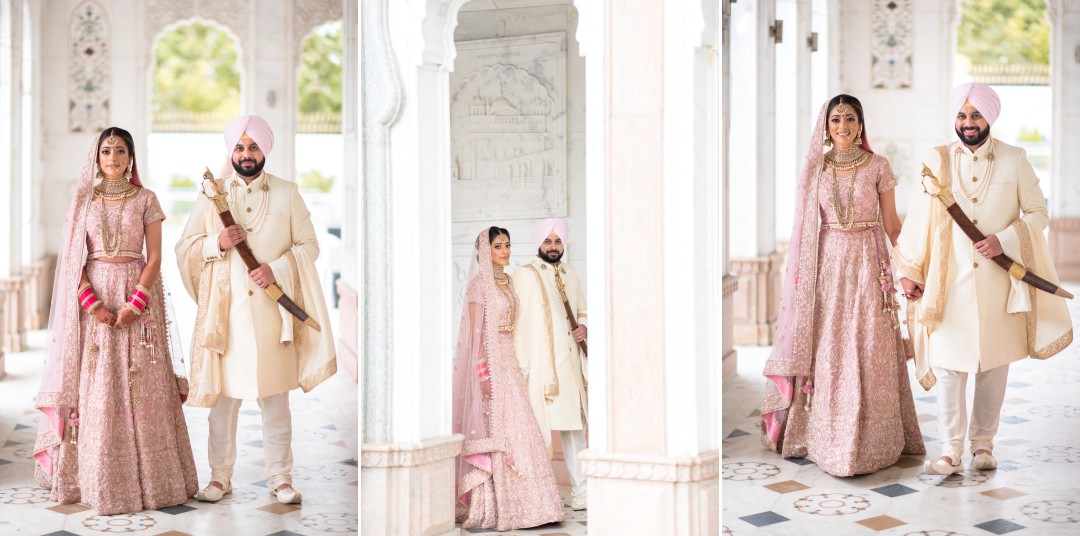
[
  {"x": 837, "y": 389},
  {"x": 504, "y": 478},
  {"x": 128, "y": 450}
]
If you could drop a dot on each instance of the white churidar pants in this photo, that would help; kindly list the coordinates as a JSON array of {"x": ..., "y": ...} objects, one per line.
[
  {"x": 985, "y": 410},
  {"x": 277, "y": 439},
  {"x": 573, "y": 442}
]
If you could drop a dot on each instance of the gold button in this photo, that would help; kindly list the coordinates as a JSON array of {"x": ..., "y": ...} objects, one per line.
[
  {"x": 249, "y": 230},
  {"x": 249, "y": 190},
  {"x": 249, "y": 209},
  {"x": 973, "y": 159},
  {"x": 976, "y": 222},
  {"x": 974, "y": 199},
  {"x": 974, "y": 179},
  {"x": 976, "y": 265},
  {"x": 250, "y": 292}
]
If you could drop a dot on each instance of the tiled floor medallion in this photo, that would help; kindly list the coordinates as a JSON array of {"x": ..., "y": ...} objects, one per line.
[
  {"x": 23, "y": 495},
  {"x": 337, "y": 523},
  {"x": 238, "y": 496},
  {"x": 1059, "y": 511},
  {"x": 832, "y": 504},
  {"x": 1055, "y": 454},
  {"x": 1057, "y": 377},
  {"x": 1055, "y": 410},
  {"x": 119, "y": 523},
  {"x": 966, "y": 479},
  {"x": 749, "y": 471},
  {"x": 934, "y": 533},
  {"x": 322, "y": 472}
]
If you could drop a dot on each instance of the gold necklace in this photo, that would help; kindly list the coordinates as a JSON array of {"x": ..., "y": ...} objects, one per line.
[
  {"x": 981, "y": 185},
  {"x": 251, "y": 226},
  {"x": 845, "y": 217},
  {"x": 511, "y": 314},
  {"x": 501, "y": 278},
  {"x": 111, "y": 244},
  {"x": 845, "y": 159},
  {"x": 115, "y": 189}
]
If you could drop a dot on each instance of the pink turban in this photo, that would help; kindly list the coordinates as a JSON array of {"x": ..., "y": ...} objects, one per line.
[
  {"x": 544, "y": 227},
  {"x": 254, "y": 126},
  {"x": 984, "y": 99}
]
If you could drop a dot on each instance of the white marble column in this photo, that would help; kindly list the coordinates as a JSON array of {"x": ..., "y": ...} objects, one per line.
[
  {"x": 730, "y": 283},
  {"x": 11, "y": 139},
  {"x": 407, "y": 449},
  {"x": 660, "y": 120},
  {"x": 1064, "y": 18},
  {"x": 3, "y": 365},
  {"x": 348, "y": 348},
  {"x": 752, "y": 169}
]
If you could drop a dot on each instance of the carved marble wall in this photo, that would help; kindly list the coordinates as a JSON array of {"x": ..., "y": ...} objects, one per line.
[
  {"x": 891, "y": 43},
  {"x": 508, "y": 128},
  {"x": 89, "y": 80}
]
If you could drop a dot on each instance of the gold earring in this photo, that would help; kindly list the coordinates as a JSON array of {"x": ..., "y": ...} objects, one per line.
[
  {"x": 858, "y": 138},
  {"x": 827, "y": 140}
]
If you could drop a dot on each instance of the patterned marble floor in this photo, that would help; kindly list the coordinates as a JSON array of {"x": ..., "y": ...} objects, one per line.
[
  {"x": 1035, "y": 490},
  {"x": 325, "y": 470}
]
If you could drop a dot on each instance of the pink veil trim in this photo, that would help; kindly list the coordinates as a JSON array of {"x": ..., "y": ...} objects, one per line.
[{"x": 473, "y": 413}]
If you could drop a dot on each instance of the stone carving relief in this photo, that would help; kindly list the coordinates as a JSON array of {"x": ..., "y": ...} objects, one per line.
[
  {"x": 232, "y": 14},
  {"x": 89, "y": 78},
  {"x": 508, "y": 128},
  {"x": 891, "y": 43}
]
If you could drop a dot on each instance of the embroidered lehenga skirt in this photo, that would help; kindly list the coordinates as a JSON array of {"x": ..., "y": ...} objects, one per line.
[{"x": 133, "y": 450}]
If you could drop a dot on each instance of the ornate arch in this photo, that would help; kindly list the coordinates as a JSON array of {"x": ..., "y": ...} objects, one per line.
[
  {"x": 235, "y": 15},
  {"x": 311, "y": 14}
]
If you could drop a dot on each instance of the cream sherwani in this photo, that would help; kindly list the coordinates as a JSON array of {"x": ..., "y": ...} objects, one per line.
[
  {"x": 967, "y": 301},
  {"x": 262, "y": 351},
  {"x": 246, "y": 346},
  {"x": 972, "y": 317},
  {"x": 551, "y": 359}
]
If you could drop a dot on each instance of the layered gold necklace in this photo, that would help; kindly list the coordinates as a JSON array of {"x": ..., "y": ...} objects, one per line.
[
  {"x": 113, "y": 190},
  {"x": 252, "y": 224},
  {"x": 503, "y": 284},
  {"x": 844, "y": 160}
]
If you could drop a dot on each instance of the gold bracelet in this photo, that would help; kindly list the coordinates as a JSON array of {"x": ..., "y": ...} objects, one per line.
[
  {"x": 133, "y": 308},
  {"x": 93, "y": 307},
  {"x": 143, "y": 289},
  {"x": 82, "y": 288}
]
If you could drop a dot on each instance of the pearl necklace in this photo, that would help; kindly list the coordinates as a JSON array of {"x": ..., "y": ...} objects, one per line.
[
  {"x": 253, "y": 225},
  {"x": 844, "y": 216},
  {"x": 111, "y": 244},
  {"x": 115, "y": 189},
  {"x": 977, "y": 194}
]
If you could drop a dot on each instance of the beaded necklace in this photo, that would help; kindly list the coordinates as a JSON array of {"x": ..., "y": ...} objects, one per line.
[
  {"x": 112, "y": 190},
  {"x": 250, "y": 225},
  {"x": 845, "y": 159},
  {"x": 981, "y": 185}
]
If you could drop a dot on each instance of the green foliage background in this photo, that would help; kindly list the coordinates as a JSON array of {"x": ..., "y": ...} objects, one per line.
[
  {"x": 196, "y": 70},
  {"x": 1004, "y": 31},
  {"x": 320, "y": 71}
]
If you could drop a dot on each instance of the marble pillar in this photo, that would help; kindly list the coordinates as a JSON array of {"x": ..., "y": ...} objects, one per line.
[
  {"x": 1064, "y": 18},
  {"x": 752, "y": 167},
  {"x": 657, "y": 186},
  {"x": 729, "y": 363},
  {"x": 14, "y": 322},
  {"x": 38, "y": 292},
  {"x": 3, "y": 368},
  {"x": 406, "y": 344}
]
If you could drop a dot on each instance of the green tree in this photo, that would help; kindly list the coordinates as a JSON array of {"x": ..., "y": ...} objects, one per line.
[
  {"x": 320, "y": 71},
  {"x": 1004, "y": 31},
  {"x": 196, "y": 71}
]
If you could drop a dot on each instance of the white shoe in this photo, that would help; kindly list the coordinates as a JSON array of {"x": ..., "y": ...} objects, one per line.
[
  {"x": 212, "y": 493},
  {"x": 984, "y": 461},
  {"x": 942, "y": 467},
  {"x": 287, "y": 495}
]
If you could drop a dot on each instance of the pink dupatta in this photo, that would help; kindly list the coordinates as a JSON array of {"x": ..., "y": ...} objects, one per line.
[{"x": 476, "y": 340}]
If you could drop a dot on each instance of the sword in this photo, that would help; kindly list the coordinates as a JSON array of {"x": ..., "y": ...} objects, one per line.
[
  {"x": 273, "y": 290},
  {"x": 1015, "y": 269}
]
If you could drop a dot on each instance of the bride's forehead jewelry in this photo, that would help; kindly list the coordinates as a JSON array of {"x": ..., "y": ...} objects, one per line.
[{"x": 112, "y": 141}]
